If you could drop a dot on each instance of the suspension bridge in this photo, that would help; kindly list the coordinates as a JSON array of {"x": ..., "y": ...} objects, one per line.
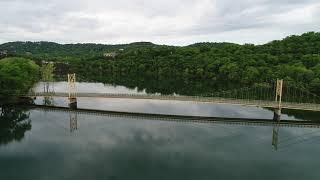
[
  {"x": 213, "y": 100},
  {"x": 277, "y": 95}
]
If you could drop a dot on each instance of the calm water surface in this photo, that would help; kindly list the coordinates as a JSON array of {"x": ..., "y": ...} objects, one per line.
[{"x": 38, "y": 144}]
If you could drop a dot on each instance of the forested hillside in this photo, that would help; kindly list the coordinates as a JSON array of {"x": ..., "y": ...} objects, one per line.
[
  {"x": 51, "y": 50},
  {"x": 296, "y": 59}
]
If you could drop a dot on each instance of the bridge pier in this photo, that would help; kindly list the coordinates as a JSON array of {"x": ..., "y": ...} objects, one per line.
[
  {"x": 277, "y": 114},
  {"x": 73, "y": 103}
]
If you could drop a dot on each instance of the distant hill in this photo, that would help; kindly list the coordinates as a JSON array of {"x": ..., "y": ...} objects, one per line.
[
  {"x": 307, "y": 43},
  {"x": 51, "y": 49}
]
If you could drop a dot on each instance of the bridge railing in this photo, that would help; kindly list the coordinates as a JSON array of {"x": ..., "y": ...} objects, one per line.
[{"x": 156, "y": 96}]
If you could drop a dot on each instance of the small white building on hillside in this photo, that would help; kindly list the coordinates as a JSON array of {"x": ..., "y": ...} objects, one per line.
[
  {"x": 111, "y": 54},
  {"x": 4, "y": 53}
]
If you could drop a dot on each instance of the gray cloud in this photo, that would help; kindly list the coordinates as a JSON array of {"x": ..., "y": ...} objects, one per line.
[{"x": 168, "y": 21}]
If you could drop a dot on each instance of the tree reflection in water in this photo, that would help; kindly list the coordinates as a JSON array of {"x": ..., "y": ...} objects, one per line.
[{"x": 14, "y": 122}]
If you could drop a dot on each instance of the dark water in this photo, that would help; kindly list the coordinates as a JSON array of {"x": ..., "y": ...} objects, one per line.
[{"x": 38, "y": 144}]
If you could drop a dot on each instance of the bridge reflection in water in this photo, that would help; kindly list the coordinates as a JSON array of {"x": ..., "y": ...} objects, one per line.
[
  {"x": 73, "y": 121},
  {"x": 277, "y": 125}
]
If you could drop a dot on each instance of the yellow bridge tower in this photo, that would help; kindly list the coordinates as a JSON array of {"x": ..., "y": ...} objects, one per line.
[
  {"x": 279, "y": 91},
  {"x": 72, "y": 91}
]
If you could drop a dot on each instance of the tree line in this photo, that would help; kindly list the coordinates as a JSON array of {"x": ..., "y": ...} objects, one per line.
[{"x": 201, "y": 67}]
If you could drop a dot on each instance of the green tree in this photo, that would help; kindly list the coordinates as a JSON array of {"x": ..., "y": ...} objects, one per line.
[{"x": 17, "y": 75}]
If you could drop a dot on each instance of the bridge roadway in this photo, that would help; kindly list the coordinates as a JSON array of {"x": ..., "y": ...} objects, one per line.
[
  {"x": 183, "y": 118},
  {"x": 213, "y": 100}
]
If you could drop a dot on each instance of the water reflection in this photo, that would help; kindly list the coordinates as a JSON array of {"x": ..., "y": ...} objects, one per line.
[
  {"x": 276, "y": 141},
  {"x": 275, "y": 136},
  {"x": 48, "y": 101},
  {"x": 48, "y": 89},
  {"x": 73, "y": 121},
  {"x": 285, "y": 143},
  {"x": 14, "y": 122},
  {"x": 122, "y": 148}
]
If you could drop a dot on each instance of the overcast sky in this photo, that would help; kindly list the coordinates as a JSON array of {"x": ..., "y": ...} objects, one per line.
[{"x": 176, "y": 22}]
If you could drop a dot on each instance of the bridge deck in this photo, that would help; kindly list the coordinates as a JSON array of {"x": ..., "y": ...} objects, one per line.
[{"x": 213, "y": 100}]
